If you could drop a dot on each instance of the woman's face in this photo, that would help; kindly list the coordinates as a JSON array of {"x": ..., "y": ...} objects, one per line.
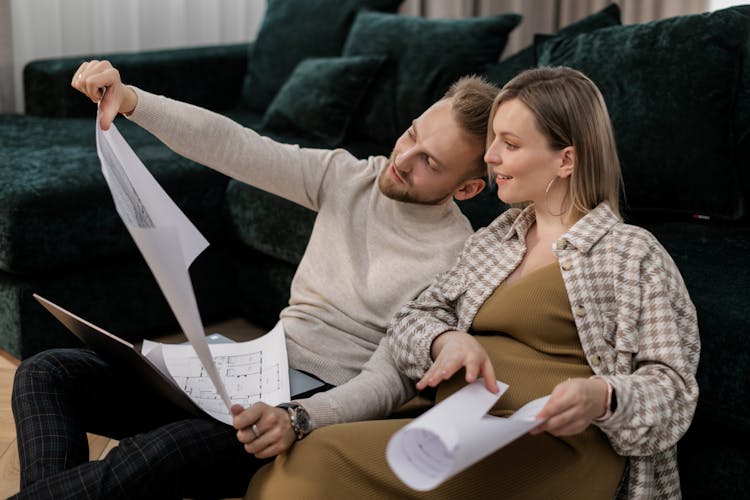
[{"x": 520, "y": 156}]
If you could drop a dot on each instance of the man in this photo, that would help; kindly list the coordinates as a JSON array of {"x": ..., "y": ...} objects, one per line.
[{"x": 385, "y": 227}]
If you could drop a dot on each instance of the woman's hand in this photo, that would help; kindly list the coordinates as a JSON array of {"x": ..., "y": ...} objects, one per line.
[
  {"x": 455, "y": 350},
  {"x": 573, "y": 405},
  {"x": 92, "y": 78}
]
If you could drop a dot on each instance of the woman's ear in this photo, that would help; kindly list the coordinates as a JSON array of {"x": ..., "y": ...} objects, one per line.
[{"x": 568, "y": 156}]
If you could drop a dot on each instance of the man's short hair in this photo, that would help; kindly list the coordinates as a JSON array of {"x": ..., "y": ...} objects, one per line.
[{"x": 472, "y": 101}]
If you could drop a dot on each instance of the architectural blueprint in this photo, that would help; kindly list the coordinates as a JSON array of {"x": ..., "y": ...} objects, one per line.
[{"x": 252, "y": 371}]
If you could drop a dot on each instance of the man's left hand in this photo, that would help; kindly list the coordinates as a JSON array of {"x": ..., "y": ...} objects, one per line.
[{"x": 265, "y": 430}]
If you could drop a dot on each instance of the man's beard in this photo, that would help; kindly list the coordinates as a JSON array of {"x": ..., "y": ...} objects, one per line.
[{"x": 400, "y": 192}]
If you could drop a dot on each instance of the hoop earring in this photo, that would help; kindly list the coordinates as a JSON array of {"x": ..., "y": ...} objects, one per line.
[{"x": 546, "y": 204}]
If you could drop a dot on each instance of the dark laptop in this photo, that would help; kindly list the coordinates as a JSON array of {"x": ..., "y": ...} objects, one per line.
[{"x": 123, "y": 354}]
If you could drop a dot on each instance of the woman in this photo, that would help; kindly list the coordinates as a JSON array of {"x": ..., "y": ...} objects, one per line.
[{"x": 561, "y": 297}]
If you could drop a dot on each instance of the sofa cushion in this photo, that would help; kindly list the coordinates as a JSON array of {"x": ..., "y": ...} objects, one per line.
[
  {"x": 742, "y": 118},
  {"x": 714, "y": 260},
  {"x": 425, "y": 56},
  {"x": 321, "y": 95},
  {"x": 268, "y": 223},
  {"x": 670, "y": 86},
  {"x": 500, "y": 73},
  {"x": 55, "y": 209},
  {"x": 293, "y": 30},
  {"x": 119, "y": 294}
]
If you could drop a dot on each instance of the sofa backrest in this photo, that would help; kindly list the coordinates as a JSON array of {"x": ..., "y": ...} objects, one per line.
[
  {"x": 678, "y": 92},
  {"x": 205, "y": 76}
]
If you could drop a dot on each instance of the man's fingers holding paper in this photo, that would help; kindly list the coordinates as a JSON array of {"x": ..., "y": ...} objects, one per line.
[
  {"x": 264, "y": 430},
  {"x": 87, "y": 79},
  {"x": 92, "y": 78},
  {"x": 245, "y": 417}
]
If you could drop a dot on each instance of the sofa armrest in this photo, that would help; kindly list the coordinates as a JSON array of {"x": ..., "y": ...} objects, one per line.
[{"x": 205, "y": 76}]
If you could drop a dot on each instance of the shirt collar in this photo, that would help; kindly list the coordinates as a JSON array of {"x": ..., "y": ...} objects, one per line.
[
  {"x": 521, "y": 224},
  {"x": 583, "y": 235},
  {"x": 591, "y": 228}
]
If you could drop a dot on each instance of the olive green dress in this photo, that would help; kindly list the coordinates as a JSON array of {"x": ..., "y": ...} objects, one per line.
[{"x": 528, "y": 330}]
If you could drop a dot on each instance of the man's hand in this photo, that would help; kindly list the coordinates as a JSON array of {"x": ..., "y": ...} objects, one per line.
[
  {"x": 265, "y": 430},
  {"x": 573, "y": 405},
  {"x": 455, "y": 350},
  {"x": 92, "y": 78}
]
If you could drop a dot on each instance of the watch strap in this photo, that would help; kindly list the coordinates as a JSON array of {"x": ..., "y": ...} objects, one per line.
[{"x": 293, "y": 409}]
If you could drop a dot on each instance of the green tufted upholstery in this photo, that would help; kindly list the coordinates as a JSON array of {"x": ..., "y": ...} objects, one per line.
[{"x": 60, "y": 235}]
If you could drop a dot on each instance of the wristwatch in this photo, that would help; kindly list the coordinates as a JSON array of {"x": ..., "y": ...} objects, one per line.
[{"x": 301, "y": 423}]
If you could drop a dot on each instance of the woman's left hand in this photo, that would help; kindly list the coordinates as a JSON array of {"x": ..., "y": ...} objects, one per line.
[{"x": 573, "y": 405}]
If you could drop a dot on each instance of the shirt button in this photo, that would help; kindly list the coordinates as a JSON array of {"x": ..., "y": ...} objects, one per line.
[
  {"x": 566, "y": 265},
  {"x": 579, "y": 311},
  {"x": 595, "y": 360},
  {"x": 559, "y": 244}
]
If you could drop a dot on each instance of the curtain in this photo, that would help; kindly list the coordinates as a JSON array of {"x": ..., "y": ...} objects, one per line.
[
  {"x": 633, "y": 11},
  {"x": 32, "y": 29},
  {"x": 547, "y": 16},
  {"x": 54, "y": 28},
  {"x": 7, "y": 102}
]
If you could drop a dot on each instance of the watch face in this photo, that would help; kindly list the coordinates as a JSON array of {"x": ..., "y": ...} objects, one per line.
[{"x": 302, "y": 419}]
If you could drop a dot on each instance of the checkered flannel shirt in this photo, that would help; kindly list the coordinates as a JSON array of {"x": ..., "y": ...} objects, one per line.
[{"x": 635, "y": 320}]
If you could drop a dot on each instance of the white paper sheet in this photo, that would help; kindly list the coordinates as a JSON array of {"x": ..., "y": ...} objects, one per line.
[
  {"x": 167, "y": 239},
  {"x": 252, "y": 371},
  {"x": 456, "y": 434}
]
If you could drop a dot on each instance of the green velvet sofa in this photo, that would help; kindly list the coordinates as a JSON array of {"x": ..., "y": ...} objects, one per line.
[{"x": 678, "y": 91}]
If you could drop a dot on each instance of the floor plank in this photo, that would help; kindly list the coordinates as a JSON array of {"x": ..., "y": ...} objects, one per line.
[
  {"x": 9, "y": 458},
  {"x": 7, "y": 427},
  {"x": 9, "y": 472}
]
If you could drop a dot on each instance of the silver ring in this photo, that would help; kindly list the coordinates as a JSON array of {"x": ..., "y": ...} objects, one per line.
[{"x": 255, "y": 430}]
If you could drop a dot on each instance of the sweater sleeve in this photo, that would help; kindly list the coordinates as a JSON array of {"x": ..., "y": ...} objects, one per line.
[
  {"x": 215, "y": 141},
  {"x": 376, "y": 392},
  {"x": 656, "y": 402},
  {"x": 419, "y": 322}
]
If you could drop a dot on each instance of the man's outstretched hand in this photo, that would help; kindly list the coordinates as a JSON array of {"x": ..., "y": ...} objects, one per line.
[{"x": 92, "y": 78}]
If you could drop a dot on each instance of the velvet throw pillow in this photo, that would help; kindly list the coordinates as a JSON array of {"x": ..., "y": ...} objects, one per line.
[
  {"x": 501, "y": 73},
  {"x": 293, "y": 30},
  {"x": 425, "y": 56},
  {"x": 320, "y": 96},
  {"x": 742, "y": 117},
  {"x": 670, "y": 87}
]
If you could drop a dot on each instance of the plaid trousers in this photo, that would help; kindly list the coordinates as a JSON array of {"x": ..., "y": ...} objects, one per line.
[{"x": 60, "y": 394}]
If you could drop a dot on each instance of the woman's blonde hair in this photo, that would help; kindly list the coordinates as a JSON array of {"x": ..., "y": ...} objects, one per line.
[{"x": 570, "y": 111}]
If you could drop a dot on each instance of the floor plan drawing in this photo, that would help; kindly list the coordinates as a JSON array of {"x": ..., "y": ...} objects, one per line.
[
  {"x": 252, "y": 371},
  {"x": 244, "y": 376}
]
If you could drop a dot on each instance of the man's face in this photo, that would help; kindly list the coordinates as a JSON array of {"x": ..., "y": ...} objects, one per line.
[{"x": 431, "y": 160}]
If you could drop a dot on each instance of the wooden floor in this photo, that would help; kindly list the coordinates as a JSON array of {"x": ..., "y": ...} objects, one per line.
[{"x": 99, "y": 446}]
